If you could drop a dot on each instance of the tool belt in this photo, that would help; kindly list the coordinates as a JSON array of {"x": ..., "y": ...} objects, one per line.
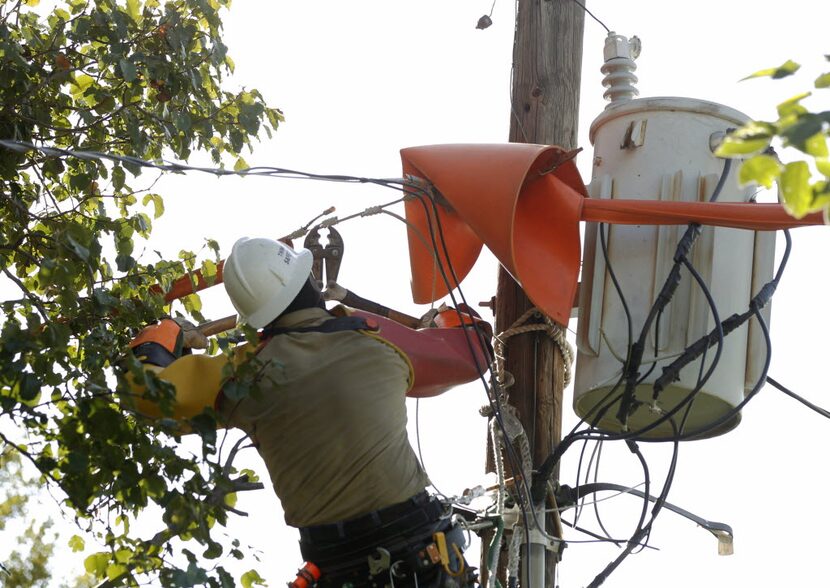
[{"x": 394, "y": 542}]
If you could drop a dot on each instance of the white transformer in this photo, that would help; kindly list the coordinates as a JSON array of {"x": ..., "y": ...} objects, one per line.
[{"x": 662, "y": 149}]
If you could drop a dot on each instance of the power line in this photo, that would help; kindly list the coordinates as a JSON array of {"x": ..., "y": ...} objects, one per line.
[
  {"x": 775, "y": 384},
  {"x": 591, "y": 14},
  {"x": 174, "y": 167}
]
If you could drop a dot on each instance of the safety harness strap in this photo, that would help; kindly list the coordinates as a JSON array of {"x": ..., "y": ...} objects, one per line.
[{"x": 336, "y": 324}]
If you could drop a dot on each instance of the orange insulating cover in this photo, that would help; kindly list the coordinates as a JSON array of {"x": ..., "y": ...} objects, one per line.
[
  {"x": 758, "y": 217},
  {"x": 499, "y": 195},
  {"x": 525, "y": 202},
  {"x": 165, "y": 333},
  {"x": 441, "y": 358}
]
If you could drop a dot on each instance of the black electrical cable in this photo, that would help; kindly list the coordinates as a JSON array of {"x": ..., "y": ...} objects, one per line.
[
  {"x": 637, "y": 537},
  {"x": 755, "y": 311},
  {"x": 595, "y": 504},
  {"x": 716, "y": 528},
  {"x": 643, "y": 530},
  {"x": 600, "y": 406},
  {"x": 760, "y": 300},
  {"x": 628, "y": 402},
  {"x": 544, "y": 472},
  {"x": 645, "y": 376},
  {"x": 726, "y": 417},
  {"x": 591, "y": 14},
  {"x": 548, "y": 465},
  {"x": 494, "y": 400},
  {"x": 513, "y": 459},
  {"x": 578, "y": 509},
  {"x": 774, "y": 383},
  {"x": 667, "y": 415}
]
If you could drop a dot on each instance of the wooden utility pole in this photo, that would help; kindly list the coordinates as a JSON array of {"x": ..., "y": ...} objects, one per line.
[{"x": 547, "y": 63}]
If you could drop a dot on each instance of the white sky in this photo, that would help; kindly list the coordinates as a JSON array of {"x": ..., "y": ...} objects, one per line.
[{"x": 360, "y": 80}]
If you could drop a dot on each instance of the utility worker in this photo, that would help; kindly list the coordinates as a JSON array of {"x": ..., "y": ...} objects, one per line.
[{"x": 330, "y": 418}]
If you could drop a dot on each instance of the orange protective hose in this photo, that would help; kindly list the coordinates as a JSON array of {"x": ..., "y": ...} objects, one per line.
[{"x": 759, "y": 217}]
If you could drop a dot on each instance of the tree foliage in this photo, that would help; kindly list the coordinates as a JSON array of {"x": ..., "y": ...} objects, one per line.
[
  {"x": 28, "y": 563},
  {"x": 804, "y": 183},
  {"x": 142, "y": 79}
]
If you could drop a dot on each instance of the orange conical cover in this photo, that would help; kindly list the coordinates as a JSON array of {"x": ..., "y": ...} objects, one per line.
[{"x": 523, "y": 201}]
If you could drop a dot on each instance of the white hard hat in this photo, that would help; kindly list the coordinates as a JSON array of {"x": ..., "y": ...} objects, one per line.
[{"x": 262, "y": 277}]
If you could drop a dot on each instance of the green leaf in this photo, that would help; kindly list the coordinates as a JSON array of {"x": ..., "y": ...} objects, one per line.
[
  {"x": 128, "y": 71},
  {"x": 183, "y": 122},
  {"x": 76, "y": 543},
  {"x": 240, "y": 165},
  {"x": 123, "y": 556},
  {"x": 816, "y": 146},
  {"x": 792, "y": 106},
  {"x": 105, "y": 105},
  {"x": 115, "y": 570},
  {"x": 134, "y": 10},
  {"x": 823, "y": 81},
  {"x": 97, "y": 564},
  {"x": 158, "y": 204},
  {"x": 798, "y": 133},
  {"x": 213, "y": 551},
  {"x": 795, "y": 188},
  {"x": 760, "y": 169},
  {"x": 118, "y": 177},
  {"x": 80, "y": 83},
  {"x": 733, "y": 146},
  {"x": 252, "y": 578},
  {"x": 787, "y": 68},
  {"x": 250, "y": 474},
  {"x": 209, "y": 271}
]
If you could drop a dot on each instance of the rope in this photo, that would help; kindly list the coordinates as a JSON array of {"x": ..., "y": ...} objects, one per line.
[
  {"x": 514, "y": 554},
  {"x": 495, "y": 544},
  {"x": 516, "y": 434},
  {"x": 550, "y": 328}
]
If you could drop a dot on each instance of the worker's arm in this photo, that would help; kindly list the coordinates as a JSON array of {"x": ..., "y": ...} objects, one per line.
[
  {"x": 456, "y": 352},
  {"x": 163, "y": 348}
]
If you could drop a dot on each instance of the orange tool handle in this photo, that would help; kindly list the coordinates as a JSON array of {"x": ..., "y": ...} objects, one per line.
[
  {"x": 354, "y": 301},
  {"x": 189, "y": 284},
  {"x": 306, "y": 576}
]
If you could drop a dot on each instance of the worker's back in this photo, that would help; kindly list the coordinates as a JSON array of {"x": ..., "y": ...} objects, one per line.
[{"x": 330, "y": 422}]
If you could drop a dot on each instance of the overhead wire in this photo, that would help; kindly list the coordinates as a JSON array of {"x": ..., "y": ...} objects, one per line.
[
  {"x": 493, "y": 399},
  {"x": 592, "y": 15},
  {"x": 819, "y": 410}
]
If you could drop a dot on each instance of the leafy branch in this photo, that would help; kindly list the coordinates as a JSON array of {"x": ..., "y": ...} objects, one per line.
[{"x": 804, "y": 182}]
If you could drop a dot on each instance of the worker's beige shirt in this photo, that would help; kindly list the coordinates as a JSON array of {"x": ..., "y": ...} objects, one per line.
[{"x": 331, "y": 422}]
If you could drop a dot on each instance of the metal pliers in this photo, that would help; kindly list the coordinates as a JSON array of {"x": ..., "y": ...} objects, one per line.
[{"x": 331, "y": 254}]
